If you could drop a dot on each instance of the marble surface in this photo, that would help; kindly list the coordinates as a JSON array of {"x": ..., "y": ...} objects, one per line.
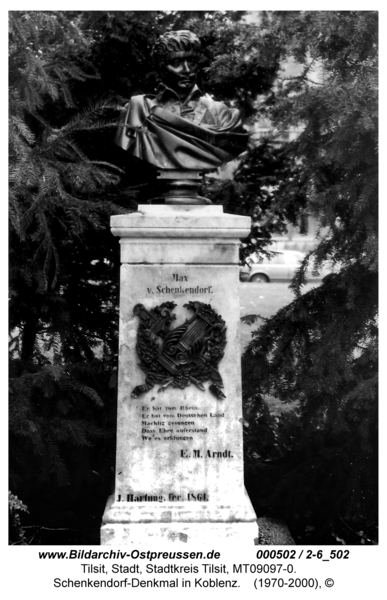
[
  {"x": 156, "y": 250},
  {"x": 162, "y": 432},
  {"x": 180, "y": 221},
  {"x": 179, "y": 465}
]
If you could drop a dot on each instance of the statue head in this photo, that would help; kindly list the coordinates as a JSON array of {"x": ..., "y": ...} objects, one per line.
[{"x": 177, "y": 55}]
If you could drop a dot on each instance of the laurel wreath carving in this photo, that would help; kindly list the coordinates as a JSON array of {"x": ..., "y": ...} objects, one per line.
[{"x": 186, "y": 355}]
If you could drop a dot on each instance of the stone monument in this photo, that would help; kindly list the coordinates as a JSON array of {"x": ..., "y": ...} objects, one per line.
[{"x": 179, "y": 465}]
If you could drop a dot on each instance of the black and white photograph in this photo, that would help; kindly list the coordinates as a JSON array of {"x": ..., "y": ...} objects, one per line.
[{"x": 193, "y": 297}]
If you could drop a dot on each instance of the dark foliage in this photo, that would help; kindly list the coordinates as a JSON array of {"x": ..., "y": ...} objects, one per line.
[
  {"x": 320, "y": 352},
  {"x": 268, "y": 187},
  {"x": 60, "y": 201}
]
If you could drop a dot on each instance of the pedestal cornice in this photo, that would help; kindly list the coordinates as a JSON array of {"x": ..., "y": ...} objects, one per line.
[
  {"x": 180, "y": 221},
  {"x": 165, "y": 234}
]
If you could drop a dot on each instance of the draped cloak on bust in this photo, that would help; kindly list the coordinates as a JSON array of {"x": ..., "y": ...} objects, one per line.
[{"x": 198, "y": 134}]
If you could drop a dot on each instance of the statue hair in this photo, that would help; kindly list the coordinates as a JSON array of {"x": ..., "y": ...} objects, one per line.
[{"x": 175, "y": 41}]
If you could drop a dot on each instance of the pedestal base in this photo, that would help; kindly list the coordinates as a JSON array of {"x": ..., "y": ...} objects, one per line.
[
  {"x": 179, "y": 461},
  {"x": 143, "y": 524}
]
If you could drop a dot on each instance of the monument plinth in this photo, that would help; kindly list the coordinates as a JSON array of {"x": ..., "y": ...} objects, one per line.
[{"x": 179, "y": 467}]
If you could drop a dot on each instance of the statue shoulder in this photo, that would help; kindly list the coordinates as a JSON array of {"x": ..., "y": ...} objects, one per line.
[
  {"x": 137, "y": 110},
  {"x": 132, "y": 119},
  {"x": 137, "y": 100},
  {"x": 224, "y": 117},
  {"x": 136, "y": 103},
  {"x": 208, "y": 102},
  {"x": 215, "y": 106}
]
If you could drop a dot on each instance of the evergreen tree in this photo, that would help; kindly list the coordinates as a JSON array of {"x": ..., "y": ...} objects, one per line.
[
  {"x": 320, "y": 352},
  {"x": 60, "y": 202}
]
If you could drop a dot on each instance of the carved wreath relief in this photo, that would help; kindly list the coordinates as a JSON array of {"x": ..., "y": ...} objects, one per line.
[{"x": 188, "y": 354}]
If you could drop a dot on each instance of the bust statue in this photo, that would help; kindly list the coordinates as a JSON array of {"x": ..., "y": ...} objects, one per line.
[{"x": 180, "y": 129}]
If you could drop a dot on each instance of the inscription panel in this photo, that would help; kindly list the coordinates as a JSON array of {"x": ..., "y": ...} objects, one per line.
[{"x": 177, "y": 440}]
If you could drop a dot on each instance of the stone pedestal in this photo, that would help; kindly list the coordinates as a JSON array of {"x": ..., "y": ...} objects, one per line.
[{"x": 179, "y": 467}]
